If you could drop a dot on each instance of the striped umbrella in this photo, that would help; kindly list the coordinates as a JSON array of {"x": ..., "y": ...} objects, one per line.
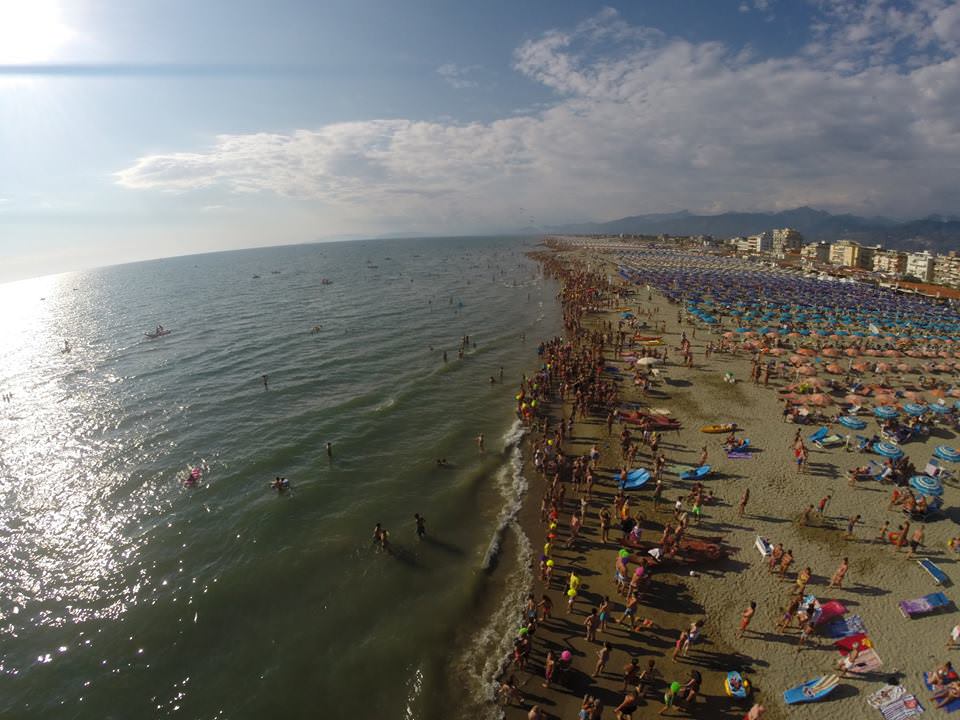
[
  {"x": 888, "y": 450},
  {"x": 940, "y": 409},
  {"x": 927, "y": 485},
  {"x": 914, "y": 409},
  {"x": 885, "y": 412},
  {"x": 945, "y": 452}
]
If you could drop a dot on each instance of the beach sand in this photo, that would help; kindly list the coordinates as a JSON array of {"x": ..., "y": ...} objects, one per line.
[{"x": 877, "y": 579}]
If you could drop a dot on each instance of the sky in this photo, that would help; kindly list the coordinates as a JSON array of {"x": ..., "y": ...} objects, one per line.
[{"x": 147, "y": 129}]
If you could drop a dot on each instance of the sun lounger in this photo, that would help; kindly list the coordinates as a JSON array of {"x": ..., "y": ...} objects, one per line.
[
  {"x": 844, "y": 627},
  {"x": 739, "y": 455},
  {"x": 938, "y": 575},
  {"x": 925, "y": 605},
  {"x": 906, "y": 706},
  {"x": 763, "y": 546},
  {"x": 811, "y": 690},
  {"x": 819, "y": 434},
  {"x": 829, "y": 441}
]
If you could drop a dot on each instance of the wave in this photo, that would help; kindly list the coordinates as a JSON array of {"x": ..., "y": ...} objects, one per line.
[{"x": 489, "y": 651}]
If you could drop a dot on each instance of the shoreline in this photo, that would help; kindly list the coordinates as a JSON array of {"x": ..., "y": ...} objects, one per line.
[{"x": 719, "y": 592}]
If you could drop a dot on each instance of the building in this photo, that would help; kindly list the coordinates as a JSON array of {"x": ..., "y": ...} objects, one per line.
[
  {"x": 762, "y": 243},
  {"x": 785, "y": 241},
  {"x": 743, "y": 244},
  {"x": 946, "y": 269},
  {"x": 845, "y": 253},
  {"x": 920, "y": 266},
  {"x": 889, "y": 262},
  {"x": 818, "y": 252}
]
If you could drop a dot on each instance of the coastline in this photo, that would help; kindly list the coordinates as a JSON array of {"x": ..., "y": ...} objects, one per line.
[{"x": 719, "y": 592}]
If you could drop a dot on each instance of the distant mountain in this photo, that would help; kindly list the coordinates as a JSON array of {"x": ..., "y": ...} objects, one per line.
[{"x": 935, "y": 233}]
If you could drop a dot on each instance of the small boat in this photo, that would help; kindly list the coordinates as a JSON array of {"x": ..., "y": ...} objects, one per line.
[
  {"x": 736, "y": 685},
  {"x": 812, "y": 690},
  {"x": 719, "y": 428},
  {"x": 256, "y": 277},
  {"x": 326, "y": 281},
  {"x": 157, "y": 333}
]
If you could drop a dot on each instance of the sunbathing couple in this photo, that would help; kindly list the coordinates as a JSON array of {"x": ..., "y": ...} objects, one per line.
[{"x": 946, "y": 685}]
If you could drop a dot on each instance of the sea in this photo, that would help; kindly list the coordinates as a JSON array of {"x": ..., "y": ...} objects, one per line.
[{"x": 127, "y": 593}]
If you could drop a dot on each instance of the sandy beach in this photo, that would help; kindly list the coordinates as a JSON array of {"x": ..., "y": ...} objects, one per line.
[{"x": 878, "y": 575}]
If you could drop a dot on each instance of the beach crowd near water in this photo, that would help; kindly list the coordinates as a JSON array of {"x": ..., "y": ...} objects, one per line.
[{"x": 727, "y": 521}]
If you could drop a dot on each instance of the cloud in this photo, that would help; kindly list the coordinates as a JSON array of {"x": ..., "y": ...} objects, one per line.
[
  {"x": 458, "y": 76},
  {"x": 640, "y": 122}
]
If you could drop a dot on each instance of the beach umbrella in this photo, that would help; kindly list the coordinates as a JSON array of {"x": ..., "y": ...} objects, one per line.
[
  {"x": 927, "y": 485},
  {"x": 808, "y": 352},
  {"x": 914, "y": 409},
  {"x": 807, "y": 370},
  {"x": 860, "y": 367},
  {"x": 888, "y": 450},
  {"x": 938, "y": 393},
  {"x": 903, "y": 367},
  {"x": 830, "y": 352},
  {"x": 834, "y": 369},
  {"x": 885, "y": 412},
  {"x": 820, "y": 400},
  {"x": 851, "y": 352},
  {"x": 796, "y": 360},
  {"x": 883, "y": 367},
  {"x": 892, "y": 353},
  {"x": 884, "y": 398},
  {"x": 940, "y": 409},
  {"x": 945, "y": 452}
]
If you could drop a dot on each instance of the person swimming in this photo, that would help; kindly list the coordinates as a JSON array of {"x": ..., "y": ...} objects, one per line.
[{"x": 280, "y": 484}]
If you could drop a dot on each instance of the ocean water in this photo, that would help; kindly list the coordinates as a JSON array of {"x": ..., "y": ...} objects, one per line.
[{"x": 126, "y": 594}]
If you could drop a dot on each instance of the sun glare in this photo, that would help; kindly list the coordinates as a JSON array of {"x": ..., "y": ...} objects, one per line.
[{"x": 31, "y": 31}]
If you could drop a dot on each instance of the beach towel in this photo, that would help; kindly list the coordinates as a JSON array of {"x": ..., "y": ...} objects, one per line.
[
  {"x": 951, "y": 706},
  {"x": 829, "y": 611},
  {"x": 828, "y": 441},
  {"x": 906, "y": 706},
  {"x": 739, "y": 455},
  {"x": 844, "y": 644},
  {"x": 867, "y": 661},
  {"x": 844, "y": 627},
  {"x": 924, "y": 605},
  {"x": 819, "y": 434}
]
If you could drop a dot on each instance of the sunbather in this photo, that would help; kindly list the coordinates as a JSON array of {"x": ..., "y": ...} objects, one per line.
[{"x": 947, "y": 694}]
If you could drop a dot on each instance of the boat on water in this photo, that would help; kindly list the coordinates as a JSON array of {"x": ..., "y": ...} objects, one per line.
[
  {"x": 157, "y": 333},
  {"x": 326, "y": 281}
]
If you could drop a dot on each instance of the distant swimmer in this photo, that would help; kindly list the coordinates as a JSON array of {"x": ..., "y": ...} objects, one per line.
[
  {"x": 280, "y": 484},
  {"x": 66, "y": 347},
  {"x": 421, "y": 525},
  {"x": 330, "y": 450},
  {"x": 315, "y": 329},
  {"x": 193, "y": 477},
  {"x": 501, "y": 372},
  {"x": 265, "y": 378},
  {"x": 493, "y": 380},
  {"x": 441, "y": 462},
  {"x": 444, "y": 355},
  {"x": 480, "y": 442},
  {"x": 381, "y": 537}
]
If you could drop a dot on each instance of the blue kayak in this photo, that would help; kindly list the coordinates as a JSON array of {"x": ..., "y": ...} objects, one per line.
[{"x": 635, "y": 478}]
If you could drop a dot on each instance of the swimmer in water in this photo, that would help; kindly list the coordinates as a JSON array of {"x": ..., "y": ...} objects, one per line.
[
  {"x": 421, "y": 525},
  {"x": 280, "y": 484}
]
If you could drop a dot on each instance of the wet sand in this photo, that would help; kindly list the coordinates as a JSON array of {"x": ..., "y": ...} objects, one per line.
[{"x": 877, "y": 579}]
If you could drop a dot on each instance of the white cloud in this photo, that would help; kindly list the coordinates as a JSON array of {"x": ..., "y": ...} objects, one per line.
[
  {"x": 458, "y": 76},
  {"x": 641, "y": 122}
]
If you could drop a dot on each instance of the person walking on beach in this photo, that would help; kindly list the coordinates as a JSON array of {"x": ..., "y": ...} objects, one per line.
[
  {"x": 851, "y": 524},
  {"x": 744, "y": 499},
  {"x": 882, "y": 536},
  {"x": 916, "y": 540},
  {"x": 549, "y": 665},
  {"x": 837, "y": 579},
  {"x": 702, "y": 460},
  {"x": 745, "y": 617},
  {"x": 785, "y": 563},
  {"x": 591, "y": 622},
  {"x": 604, "y": 515},
  {"x": 788, "y": 613},
  {"x": 603, "y": 655},
  {"x": 805, "y": 516},
  {"x": 775, "y": 556},
  {"x": 421, "y": 525},
  {"x": 822, "y": 505}
]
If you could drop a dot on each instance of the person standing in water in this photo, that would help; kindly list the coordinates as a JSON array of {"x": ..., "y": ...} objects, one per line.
[
  {"x": 330, "y": 450},
  {"x": 264, "y": 376},
  {"x": 480, "y": 442},
  {"x": 421, "y": 525}
]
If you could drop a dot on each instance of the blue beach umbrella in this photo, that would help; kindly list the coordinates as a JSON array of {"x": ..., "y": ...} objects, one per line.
[
  {"x": 914, "y": 409},
  {"x": 927, "y": 485},
  {"x": 888, "y": 450},
  {"x": 940, "y": 409},
  {"x": 885, "y": 412},
  {"x": 945, "y": 452}
]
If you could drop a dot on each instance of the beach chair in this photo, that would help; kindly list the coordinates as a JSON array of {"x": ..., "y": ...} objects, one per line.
[
  {"x": 820, "y": 434},
  {"x": 763, "y": 546},
  {"x": 938, "y": 575},
  {"x": 918, "y": 607},
  {"x": 829, "y": 441}
]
